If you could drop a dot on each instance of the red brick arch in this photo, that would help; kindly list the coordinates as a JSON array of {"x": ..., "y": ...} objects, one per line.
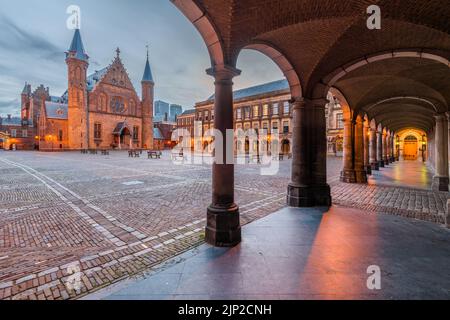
[
  {"x": 331, "y": 79},
  {"x": 283, "y": 63},
  {"x": 206, "y": 28}
]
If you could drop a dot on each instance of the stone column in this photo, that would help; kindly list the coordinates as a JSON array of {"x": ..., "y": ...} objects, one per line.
[
  {"x": 393, "y": 148},
  {"x": 360, "y": 172},
  {"x": 367, "y": 165},
  {"x": 223, "y": 225},
  {"x": 308, "y": 185},
  {"x": 441, "y": 178},
  {"x": 318, "y": 135},
  {"x": 373, "y": 150},
  {"x": 348, "y": 172},
  {"x": 385, "y": 157},
  {"x": 380, "y": 149}
]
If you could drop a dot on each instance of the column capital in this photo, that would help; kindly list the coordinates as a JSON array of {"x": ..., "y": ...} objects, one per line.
[
  {"x": 300, "y": 102},
  {"x": 223, "y": 72},
  {"x": 440, "y": 117}
]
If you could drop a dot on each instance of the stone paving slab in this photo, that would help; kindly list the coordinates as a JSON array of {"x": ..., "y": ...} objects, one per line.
[
  {"x": 69, "y": 218},
  {"x": 306, "y": 254}
]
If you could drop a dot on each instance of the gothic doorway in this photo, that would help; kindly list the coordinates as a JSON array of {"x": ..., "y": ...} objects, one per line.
[{"x": 410, "y": 148}]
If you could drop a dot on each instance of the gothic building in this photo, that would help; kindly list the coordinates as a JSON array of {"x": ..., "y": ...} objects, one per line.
[{"x": 99, "y": 111}]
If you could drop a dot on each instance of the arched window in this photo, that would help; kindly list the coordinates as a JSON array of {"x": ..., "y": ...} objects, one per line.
[
  {"x": 132, "y": 107},
  {"x": 117, "y": 105}
]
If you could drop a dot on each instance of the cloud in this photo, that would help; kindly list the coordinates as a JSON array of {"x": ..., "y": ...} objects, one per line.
[{"x": 15, "y": 38}]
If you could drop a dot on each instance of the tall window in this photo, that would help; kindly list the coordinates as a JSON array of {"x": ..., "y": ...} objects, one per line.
[
  {"x": 340, "y": 121},
  {"x": 255, "y": 111},
  {"x": 25, "y": 133},
  {"x": 286, "y": 127},
  {"x": 286, "y": 108},
  {"x": 60, "y": 135},
  {"x": 97, "y": 131},
  {"x": 135, "y": 133},
  {"x": 239, "y": 114},
  {"x": 247, "y": 112},
  {"x": 132, "y": 107},
  {"x": 275, "y": 109},
  {"x": 13, "y": 133},
  {"x": 206, "y": 115},
  {"x": 265, "y": 110}
]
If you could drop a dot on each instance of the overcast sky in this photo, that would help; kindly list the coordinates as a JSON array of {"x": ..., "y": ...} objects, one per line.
[{"x": 34, "y": 37}]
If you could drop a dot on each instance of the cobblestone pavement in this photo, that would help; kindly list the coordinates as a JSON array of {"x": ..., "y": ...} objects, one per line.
[{"x": 71, "y": 223}]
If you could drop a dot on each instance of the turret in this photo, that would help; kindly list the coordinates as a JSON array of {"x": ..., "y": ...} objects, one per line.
[
  {"x": 77, "y": 63},
  {"x": 25, "y": 101},
  {"x": 147, "y": 106}
]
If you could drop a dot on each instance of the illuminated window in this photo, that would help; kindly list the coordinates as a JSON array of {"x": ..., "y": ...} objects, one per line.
[
  {"x": 255, "y": 111},
  {"x": 25, "y": 133},
  {"x": 265, "y": 110},
  {"x": 239, "y": 114},
  {"x": 13, "y": 133}
]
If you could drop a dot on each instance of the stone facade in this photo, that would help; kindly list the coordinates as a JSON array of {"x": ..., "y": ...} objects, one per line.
[{"x": 267, "y": 106}]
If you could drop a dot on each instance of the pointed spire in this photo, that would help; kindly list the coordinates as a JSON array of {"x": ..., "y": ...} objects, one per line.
[
  {"x": 76, "y": 49},
  {"x": 26, "y": 89},
  {"x": 148, "y": 71}
]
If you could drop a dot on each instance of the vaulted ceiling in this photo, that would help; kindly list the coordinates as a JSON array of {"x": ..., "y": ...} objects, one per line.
[{"x": 327, "y": 44}]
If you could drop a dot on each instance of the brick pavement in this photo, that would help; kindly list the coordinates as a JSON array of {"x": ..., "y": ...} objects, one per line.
[{"x": 67, "y": 217}]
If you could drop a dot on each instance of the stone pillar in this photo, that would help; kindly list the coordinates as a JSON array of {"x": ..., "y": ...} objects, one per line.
[
  {"x": 348, "y": 173},
  {"x": 223, "y": 225},
  {"x": 373, "y": 150},
  {"x": 393, "y": 148},
  {"x": 308, "y": 185},
  {"x": 380, "y": 149},
  {"x": 360, "y": 172},
  {"x": 441, "y": 178},
  {"x": 384, "y": 150},
  {"x": 367, "y": 165}
]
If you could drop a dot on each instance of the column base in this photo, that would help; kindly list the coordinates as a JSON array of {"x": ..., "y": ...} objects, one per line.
[
  {"x": 369, "y": 170},
  {"x": 309, "y": 196},
  {"x": 381, "y": 164},
  {"x": 375, "y": 166},
  {"x": 440, "y": 183},
  {"x": 447, "y": 215},
  {"x": 223, "y": 227},
  {"x": 348, "y": 176},
  {"x": 361, "y": 176},
  {"x": 386, "y": 162}
]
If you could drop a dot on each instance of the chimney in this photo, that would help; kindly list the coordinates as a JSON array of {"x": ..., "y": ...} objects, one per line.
[
  {"x": 9, "y": 117},
  {"x": 166, "y": 116}
]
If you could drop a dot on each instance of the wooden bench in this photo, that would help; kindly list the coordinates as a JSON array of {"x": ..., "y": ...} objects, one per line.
[
  {"x": 133, "y": 154},
  {"x": 154, "y": 154}
]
